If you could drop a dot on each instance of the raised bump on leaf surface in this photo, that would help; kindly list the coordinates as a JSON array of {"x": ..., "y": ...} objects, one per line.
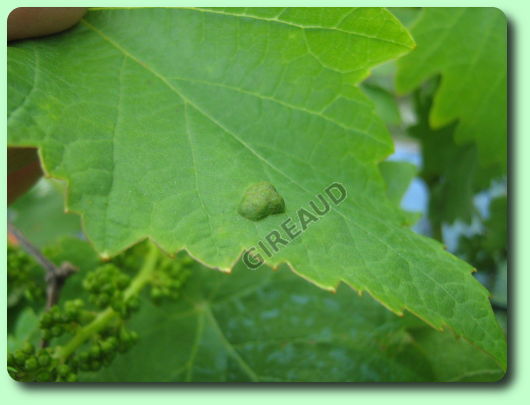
[{"x": 261, "y": 200}]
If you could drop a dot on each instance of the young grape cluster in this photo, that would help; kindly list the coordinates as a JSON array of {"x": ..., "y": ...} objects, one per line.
[
  {"x": 42, "y": 365},
  {"x": 60, "y": 320},
  {"x": 24, "y": 277},
  {"x": 98, "y": 318},
  {"x": 39, "y": 365},
  {"x": 169, "y": 278},
  {"x": 170, "y": 275},
  {"x": 106, "y": 286},
  {"x": 102, "y": 352}
]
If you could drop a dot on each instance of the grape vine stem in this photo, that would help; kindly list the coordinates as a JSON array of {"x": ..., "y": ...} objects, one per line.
[{"x": 55, "y": 276}]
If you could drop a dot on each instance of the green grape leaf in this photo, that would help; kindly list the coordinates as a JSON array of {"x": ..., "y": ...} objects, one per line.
[
  {"x": 39, "y": 214},
  {"x": 453, "y": 360},
  {"x": 385, "y": 103},
  {"x": 500, "y": 288},
  {"x": 496, "y": 237},
  {"x": 451, "y": 171},
  {"x": 271, "y": 326},
  {"x": 398, "y": 176},
  {"x": 160, "y": 134},
  {"x": 26, "y": 329},
  {"x": 407, "y": 15},
  {"x": 467, "y": 46}
]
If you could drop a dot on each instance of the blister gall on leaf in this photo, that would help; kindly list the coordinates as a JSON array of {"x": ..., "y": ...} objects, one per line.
[{"x": 261, "y": 200}]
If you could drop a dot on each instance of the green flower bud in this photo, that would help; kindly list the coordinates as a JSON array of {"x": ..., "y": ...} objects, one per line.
[
  {"x": 44, "y": 376},
  {"x": 95, "y": 352},
  {"x": 103, "y": 300},
  {"x": 46, "y": 321},
  {"x": 56, "y": 315},
  {"x": 95, "y": 365},
  {"x": 57, "y": 330},
  {"x": 31, "y": 363},
  {"x": 72, "y": 377},
  {"x": 43, "y": 359},
  {"x": 20, "y": 357},
  {"x": 63, "y": 370},
  {"x": 27, "y": 348}
]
